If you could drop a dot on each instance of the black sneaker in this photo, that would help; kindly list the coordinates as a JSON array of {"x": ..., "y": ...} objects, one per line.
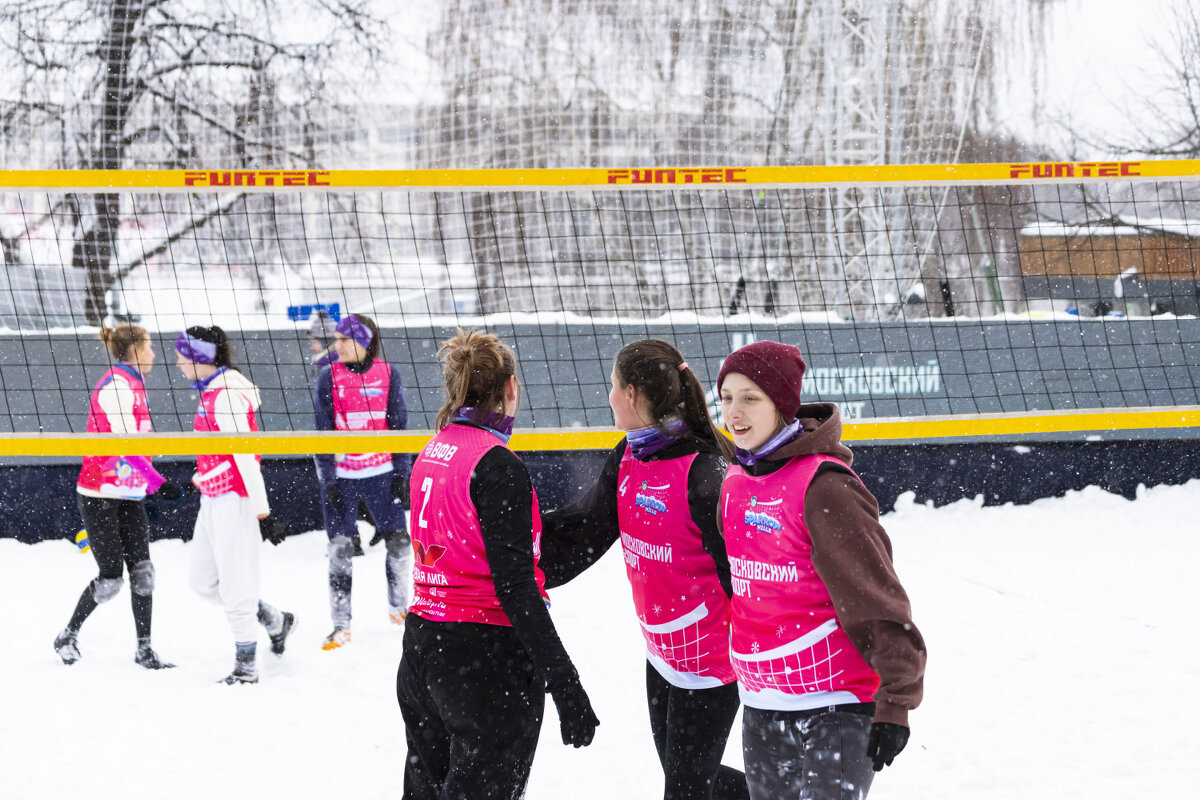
[
  {"x": 67, "y": 646},
  {"x": 146, "y": 657},
  {"x": 279, "y": 640}
]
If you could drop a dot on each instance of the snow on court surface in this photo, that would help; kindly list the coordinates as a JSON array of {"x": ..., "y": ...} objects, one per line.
[{"x": 1064, "y": 660}]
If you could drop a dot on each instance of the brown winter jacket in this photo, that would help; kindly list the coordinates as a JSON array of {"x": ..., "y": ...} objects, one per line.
[{"x": 853, "y": 556}]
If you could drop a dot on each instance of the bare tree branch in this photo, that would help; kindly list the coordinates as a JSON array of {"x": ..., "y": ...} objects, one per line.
[{"x": 221, "y": 208}]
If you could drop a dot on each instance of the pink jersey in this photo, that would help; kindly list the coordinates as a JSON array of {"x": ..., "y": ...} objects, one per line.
[
  {"x": 452, "y": 581},
  {"x": 119, "y": 477},
  {"x": 218, "y": 474},
  {"x": 360, "y": 403},
  {"x": 683, "y": 611},
  {"x": 788, "y": 650}
]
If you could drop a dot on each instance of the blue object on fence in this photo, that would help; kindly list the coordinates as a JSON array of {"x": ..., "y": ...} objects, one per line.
[{"x": 303, "y": 312}]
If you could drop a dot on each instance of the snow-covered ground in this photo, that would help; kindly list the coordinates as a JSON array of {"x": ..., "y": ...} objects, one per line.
[{"x": 1063, "y": 645}]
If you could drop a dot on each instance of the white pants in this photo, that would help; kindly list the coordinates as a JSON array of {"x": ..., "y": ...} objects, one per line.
[{"x": 225, "y": 565}]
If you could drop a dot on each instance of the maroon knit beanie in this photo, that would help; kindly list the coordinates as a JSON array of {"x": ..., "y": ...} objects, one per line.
[{"x": 777, "y": 368}]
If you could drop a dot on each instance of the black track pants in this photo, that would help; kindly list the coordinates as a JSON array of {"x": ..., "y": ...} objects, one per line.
[
  {"x": 472, "y": 706},
  {"x": 808, "y": 755},
  {"x": 690, "y": 728}
]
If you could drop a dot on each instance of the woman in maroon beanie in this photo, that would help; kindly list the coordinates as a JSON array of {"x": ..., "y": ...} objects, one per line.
[{"x": 827, "y": 657}]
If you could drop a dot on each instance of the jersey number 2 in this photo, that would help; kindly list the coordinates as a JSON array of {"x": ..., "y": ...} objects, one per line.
[{"x": 426, "y": 489}]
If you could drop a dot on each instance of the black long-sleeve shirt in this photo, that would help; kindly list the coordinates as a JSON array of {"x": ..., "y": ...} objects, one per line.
[
  {"x": 575, "y": 536},
  {"x": 503, "y": 496}
]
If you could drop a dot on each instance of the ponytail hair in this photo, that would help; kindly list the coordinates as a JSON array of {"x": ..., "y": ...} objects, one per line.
[
  {"x": 659, "y": 373},
  {"x": 215, "y": 335},
  {"x": 476, "y": 367},
  {"x": 121, "y": 339}
]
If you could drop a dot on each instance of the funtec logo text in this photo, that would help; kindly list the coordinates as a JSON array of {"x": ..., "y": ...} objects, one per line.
[
  {"x": 700, "y": 175},
  {"x": 1075, "y": 169},
  {"x": 256, "y": 177}
]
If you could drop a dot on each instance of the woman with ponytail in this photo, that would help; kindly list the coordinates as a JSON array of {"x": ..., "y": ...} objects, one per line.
[
  {"x": 111, "y": 490},
  {"x": 480, "y": 649},
  {"x": 234, "y": 511},
  {"x": 658, "y": 494}
]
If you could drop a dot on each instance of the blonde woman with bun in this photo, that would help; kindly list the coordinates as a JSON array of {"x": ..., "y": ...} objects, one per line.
[
  {"x": 480, "y": 650},
  {"x": 111, "y": 491}
]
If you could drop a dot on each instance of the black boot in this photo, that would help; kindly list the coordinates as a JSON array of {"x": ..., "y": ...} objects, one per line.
[
  {"x": 245, "y": 668},
  {"x": 279, "y": 640},
  {"x": 146, "y": 657},
  {"x": 67, "y": 646}
]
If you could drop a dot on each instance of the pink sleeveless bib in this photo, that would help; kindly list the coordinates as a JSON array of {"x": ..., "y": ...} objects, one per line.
[
  {"x": 121, "y": 477},
  {"x": 452, "y": 581},
  {"x": 788, "y": 650},
  {"x": 360, "y": 404},
  {"x": 218, "y": 474},
  {"x": 683, "y": 610}
]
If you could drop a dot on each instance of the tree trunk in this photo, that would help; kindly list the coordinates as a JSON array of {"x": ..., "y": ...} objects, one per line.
[{"x": 94, "y": 248}]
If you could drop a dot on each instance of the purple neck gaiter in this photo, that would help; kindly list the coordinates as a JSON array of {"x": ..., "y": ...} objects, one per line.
[{"x": 748, "y": 457}]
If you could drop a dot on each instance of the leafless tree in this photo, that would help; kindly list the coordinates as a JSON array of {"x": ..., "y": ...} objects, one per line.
[
  {"x": 543, "y": 83},
  {"x": 1164, "y": 119},
  {"x": 175, "y": 84}
]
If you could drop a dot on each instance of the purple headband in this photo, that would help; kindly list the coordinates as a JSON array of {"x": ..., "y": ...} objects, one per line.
[
  {"x": 352, "y": 328},
  {"x": 196, "y": 350}
]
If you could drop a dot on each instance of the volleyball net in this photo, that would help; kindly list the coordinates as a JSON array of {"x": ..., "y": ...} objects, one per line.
[{"x": 932, "y": 302}]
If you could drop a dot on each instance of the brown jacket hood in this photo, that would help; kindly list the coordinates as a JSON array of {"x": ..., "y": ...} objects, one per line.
[{"x": 821, "y": 426}]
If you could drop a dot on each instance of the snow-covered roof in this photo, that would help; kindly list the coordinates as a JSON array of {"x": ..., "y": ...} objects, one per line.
[{"x": 1121, "y": 225}]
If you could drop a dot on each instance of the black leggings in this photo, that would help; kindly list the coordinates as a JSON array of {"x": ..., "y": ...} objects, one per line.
[
  {"x": 119, "y": 535},
  {"x": 472, "y": 705},
  {"x": 690, "y": 728},
  {"x": 118, "y": 532}
]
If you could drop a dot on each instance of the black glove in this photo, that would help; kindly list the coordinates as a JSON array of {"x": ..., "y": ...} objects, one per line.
[
  {"x": 333, "y": 496},
  {"x": 886, "y": 742},
  {"x": 169, "y": 493},
  {"x": 400, "y": 486},
  {"x": 272, "y": 530},
  {"x": 576, "y": 719},
  {"x": 380, "y": 536}
]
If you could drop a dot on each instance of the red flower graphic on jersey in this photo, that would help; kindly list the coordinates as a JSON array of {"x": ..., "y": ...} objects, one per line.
[{"x": 427, "y": 558}]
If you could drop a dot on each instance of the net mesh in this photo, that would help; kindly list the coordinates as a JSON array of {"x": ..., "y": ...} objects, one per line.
[
  {"x": 913, "y": 300},
  {"x": 679, "y": 643},
  {"x": 807, "y": 664}
]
